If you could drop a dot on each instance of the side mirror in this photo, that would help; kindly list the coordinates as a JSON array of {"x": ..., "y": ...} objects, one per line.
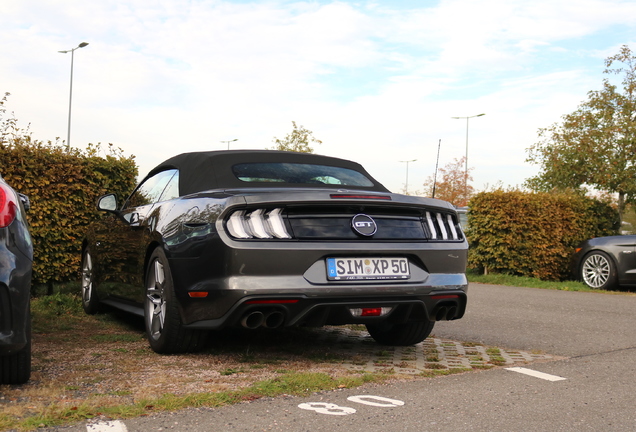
[
  {"x": 26, "y": 202},
  {"x": 107, "y": 203}
]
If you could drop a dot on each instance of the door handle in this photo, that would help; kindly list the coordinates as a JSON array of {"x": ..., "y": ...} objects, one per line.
[{"x": 135, "y": 220}]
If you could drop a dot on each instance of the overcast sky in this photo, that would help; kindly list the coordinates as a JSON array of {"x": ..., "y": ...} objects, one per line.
[{"x": 377, "y": 81}]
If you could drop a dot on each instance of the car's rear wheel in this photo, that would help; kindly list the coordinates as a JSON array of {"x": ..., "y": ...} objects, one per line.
[
  {"x": 598, "y": 271},
  {"x": 400, "y": 334},
  {"x": 166, "y": 334},
  {"x": 90, "y": 302},
  {"x": 16, "y": 368}
]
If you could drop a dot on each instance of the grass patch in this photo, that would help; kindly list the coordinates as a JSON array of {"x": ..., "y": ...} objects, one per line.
[
  {"x": 432, "y": 358},
  {"x": 431, "y": 355},
  {"x": 434, "y": 365},
  {"x": 297, "y": 384},
  {"x": 435, "y": 371},
  {"x": 328, "y": 357},
  {"x": 495, "y": 357},
  {"x": 56, "y": 312},
  {"x": 304, "y": 383},
  {"x": 231, "y": 371},
  {"x": 522, "y": 281}
]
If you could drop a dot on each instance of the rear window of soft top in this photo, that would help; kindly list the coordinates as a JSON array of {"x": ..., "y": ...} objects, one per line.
[{"x": 296, "y": 173}]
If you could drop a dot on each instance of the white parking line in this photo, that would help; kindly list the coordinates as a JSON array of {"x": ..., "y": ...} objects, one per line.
[
  {"x": 110, "y": 426},
  {"x": 536, "y": 374}
]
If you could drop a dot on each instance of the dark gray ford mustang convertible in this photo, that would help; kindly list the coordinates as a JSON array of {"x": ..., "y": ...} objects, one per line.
[{"x": 210, "y": 240}]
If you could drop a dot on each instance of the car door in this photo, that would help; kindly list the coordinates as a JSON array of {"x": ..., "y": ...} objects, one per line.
[
  {"x": 127, "y": 236},
  {"x": 625, "y": 253}
]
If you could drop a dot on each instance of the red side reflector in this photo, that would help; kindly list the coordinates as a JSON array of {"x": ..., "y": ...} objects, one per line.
[
  {"x": 271, "y": 301},
  {"x": 198, "y": 294},
  {"x": 373, "y": 197},
  {"x": 444, "y": 297},
  {"x": 366, "y": 312}
]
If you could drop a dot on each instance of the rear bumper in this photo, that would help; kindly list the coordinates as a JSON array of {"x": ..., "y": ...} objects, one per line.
[
  {"x": 316, "y": 313},
  {"x": 332, "y": 305},
  {"x": 228, "y": 276}
]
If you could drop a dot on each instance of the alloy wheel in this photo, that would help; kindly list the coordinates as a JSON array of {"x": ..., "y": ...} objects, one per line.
[
  {"x": 156, "y": 301},
  {"x": 596, "y": 270},
  {"x": 87, "y": 278}
]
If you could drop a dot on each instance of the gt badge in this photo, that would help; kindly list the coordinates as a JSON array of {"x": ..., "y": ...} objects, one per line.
[{"x": 363, "y": 225}]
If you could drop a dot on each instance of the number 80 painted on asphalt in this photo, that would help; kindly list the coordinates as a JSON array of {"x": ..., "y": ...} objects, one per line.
[{"x": 333, "y": 409}]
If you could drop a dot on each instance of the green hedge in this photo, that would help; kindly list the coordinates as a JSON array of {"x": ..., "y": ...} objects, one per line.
[
  {"x": 533, "y": 234},
  {"x": 63, "y": 186}
]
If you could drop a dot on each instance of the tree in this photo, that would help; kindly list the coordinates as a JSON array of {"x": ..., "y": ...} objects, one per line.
[
  {"x": 297, "y": 141},
  {"x": 595, "y": 145},
  {"x": 9, "y": 129},
  {"x": 451, "y": 183}
]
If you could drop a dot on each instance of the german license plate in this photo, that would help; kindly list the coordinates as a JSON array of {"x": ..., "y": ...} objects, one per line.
[{"x": 367, "y": 268}]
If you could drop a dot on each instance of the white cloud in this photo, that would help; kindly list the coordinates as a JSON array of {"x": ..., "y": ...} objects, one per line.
[{"x": 376, "y": 82}]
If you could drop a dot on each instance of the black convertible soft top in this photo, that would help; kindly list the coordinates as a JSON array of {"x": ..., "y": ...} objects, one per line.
[{"x": 201, "y": 171}]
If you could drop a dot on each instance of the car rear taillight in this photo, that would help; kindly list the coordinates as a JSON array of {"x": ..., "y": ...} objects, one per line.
[
  {"x": 441, "y": 226},
  {"x": 8, "y": 206},
  {"x": 258, "y": 223}
]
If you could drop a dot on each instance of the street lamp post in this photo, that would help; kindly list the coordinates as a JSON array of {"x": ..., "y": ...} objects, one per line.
[
  {"x": 228, "y": 142},
  {"x": 466, "y": 161},
  {"x": 70, "y": 97},
  {"x": 406, "y": 186}
]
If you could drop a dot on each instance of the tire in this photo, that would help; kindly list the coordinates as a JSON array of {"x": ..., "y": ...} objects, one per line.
[
  {"x": 598, "y": 271},
  {"x": 400, "y": 334},
  {"x": 16, "y": 368},
  {"x": 164, "y": 330},
  {"x": 90, "y": 301}
]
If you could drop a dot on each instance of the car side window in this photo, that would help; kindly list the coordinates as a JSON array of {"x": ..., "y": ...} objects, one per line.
[
  {"x": 171, "y": 190},
  {"x": 151, "y": 190}
]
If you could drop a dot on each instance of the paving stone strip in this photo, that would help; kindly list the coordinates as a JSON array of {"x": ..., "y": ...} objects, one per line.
[{"x": 431, "y": 354}]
